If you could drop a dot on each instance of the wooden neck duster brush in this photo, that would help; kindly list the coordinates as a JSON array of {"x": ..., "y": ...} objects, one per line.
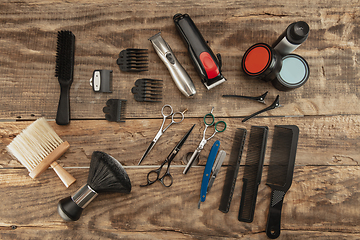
[
  {"x": 106, "y": 174},
  {"x": 37, "y": 147}
]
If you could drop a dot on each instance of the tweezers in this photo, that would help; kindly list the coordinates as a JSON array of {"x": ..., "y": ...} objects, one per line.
[
  {"x": 260, "y": 99},
  {"x": 274, "y": 105}
]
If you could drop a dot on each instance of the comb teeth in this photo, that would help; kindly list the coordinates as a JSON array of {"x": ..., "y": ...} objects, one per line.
[
  {"x": 65, "y": 56},
  {"x": 133, "y": 60},
  {"x": 147, "y": 90},
  {"x": 282, "y": 157},
  {"x": 252, "y": 172}
]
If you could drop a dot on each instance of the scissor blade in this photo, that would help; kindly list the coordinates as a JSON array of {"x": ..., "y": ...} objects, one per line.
[
  {"x": 216, "y": 168},
  {"x": 152, "y": 144},
  {"x": 179, "y": 145},
  {"x": 193, "y": 157}
]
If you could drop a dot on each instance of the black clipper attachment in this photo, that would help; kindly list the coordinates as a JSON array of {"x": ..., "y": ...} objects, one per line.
[
  {"x": 206, "y": 63},
  {"x": 114, "y": 110},
  {"x": 147, "y": 90},
  {"x": 133, "y": 60}
]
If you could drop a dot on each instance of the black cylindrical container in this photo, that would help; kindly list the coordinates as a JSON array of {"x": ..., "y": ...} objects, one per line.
[
  {"x": 293, "y": 74},
  {"x": 294, "y": 35},
  {"x": 261, "y": 61}
]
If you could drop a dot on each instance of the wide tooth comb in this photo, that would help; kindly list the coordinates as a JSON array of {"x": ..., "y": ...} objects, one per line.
[
  {"x": 281, "y": 169},
  {"x": 147, "y": 90},
  {"x": 133, "y": 60}
]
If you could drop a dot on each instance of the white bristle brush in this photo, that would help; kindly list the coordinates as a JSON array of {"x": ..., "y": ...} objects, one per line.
[{"x": 37, "y": 147}]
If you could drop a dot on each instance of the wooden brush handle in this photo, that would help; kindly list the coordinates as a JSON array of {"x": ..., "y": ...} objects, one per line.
[
  {"x": 65, "y": 177},
  {"x": 50, "y": 160}
]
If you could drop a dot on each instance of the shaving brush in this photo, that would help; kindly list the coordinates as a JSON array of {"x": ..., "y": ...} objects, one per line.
[{"x": 106, "y": 174}]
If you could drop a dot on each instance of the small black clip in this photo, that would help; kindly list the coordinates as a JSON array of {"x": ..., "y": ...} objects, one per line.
[
  {"x": 274, "y": 105},
  {"x": 260, "y": 99},
  {"x": 114, "y": 110}
]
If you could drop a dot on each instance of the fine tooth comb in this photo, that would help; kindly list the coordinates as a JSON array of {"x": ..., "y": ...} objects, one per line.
[
  {"x": 147, "y": 90},
  {"x": 133, "y": 60},
  {"x": 233, "y": 169},
  {"x": 37, "y": 147},
  {"x": 252, "y": 172},
  {"x": 64, "y": 71},
  {"x": 281, "y": 169}
]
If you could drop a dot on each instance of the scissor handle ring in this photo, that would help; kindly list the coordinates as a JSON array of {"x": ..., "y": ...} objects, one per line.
[
  {"x": 182, "y": 117},
  {"x": 213, "y": 119},
  {"x": 167, "y": 175},
  {"x": 217, "y": 124},
  {"x": 150, "y": 179},
  {"x": 162, "y": 110}
]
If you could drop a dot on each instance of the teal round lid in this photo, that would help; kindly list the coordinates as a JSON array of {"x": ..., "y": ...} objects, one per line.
[{"x": 294, "y": 72}]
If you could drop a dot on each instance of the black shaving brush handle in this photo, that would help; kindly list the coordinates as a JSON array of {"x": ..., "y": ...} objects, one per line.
[
  {"x": 69, "y": 210},
  {"x": 63, "y": 112}
]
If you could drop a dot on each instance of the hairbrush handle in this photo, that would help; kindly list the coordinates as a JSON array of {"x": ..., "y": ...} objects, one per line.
[
  {"x": 274, "y": 216},
  {"x": 64, "y": 176},
  {"x": 50, "y": 160},
  {"x": 63, "y": 112}
]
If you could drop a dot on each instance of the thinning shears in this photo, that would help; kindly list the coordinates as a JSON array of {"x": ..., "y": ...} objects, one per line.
[
  {"x": 161, "y": 131},
  {"x": 219, "y": 126},
  {"x": 166, "y": 179}
]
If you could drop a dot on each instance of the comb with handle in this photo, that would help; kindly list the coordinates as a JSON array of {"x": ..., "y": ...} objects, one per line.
[{"x": 281, "y": 169}]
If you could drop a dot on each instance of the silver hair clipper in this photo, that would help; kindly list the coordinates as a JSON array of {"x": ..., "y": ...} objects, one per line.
[{"x": 178, "y": 73}]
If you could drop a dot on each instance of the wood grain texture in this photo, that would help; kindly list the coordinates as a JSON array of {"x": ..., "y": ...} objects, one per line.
[
  {"x": 322, "y": 141},
  {"x": 102, "y": 29},
  {"x": 319, "y": 204}
]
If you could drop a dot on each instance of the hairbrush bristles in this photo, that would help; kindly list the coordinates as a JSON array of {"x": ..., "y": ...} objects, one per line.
[
  {"x": 106, "y": 174},
  {"x": 65, "y": 56},
  {"x": 37, "y": 147}
]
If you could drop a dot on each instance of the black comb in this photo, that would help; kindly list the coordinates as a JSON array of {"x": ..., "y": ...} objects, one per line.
[
  {"x": 233, "y": 169},
  {"x": 252, "y": 172},
  {"x": 133, "y": 60},
  {"x": 147, "y": 90},
  {"x": 64, "y": 71},
  {"x": 281, "y": 169},
  {"x": 115, "y": 110}
]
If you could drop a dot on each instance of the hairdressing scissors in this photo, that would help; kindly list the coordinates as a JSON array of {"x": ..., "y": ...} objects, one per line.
[
  {"x": 166, "y": 179},
  {"x": 219, "y": 126},
  {"x": 162, "y": 129}
]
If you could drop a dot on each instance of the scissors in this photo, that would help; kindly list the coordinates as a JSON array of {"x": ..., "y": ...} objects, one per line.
[
  {"x": 166, "y": 179},
  {"x": 204, "y": 140},
  {"x": 162, "y": 130}
]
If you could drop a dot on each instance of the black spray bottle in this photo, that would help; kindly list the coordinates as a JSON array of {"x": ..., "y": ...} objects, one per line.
[{"x": 294, "y": 35}]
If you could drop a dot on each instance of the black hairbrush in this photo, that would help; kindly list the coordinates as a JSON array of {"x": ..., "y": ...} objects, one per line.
[
  {"x": 106, "y": 174},
  {"x": 280, "y": 175},
  {"x": 64, "y": 70}
]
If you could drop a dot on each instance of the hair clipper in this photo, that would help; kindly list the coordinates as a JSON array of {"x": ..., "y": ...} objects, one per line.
[
  {"x": 206, "y": 64},
  {"x": 178, "y": 73}
]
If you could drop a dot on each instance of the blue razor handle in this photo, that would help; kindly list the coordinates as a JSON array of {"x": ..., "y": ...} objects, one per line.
[
  {"x": 206, "y": 63},
  {"x": 207, "y": 171}
]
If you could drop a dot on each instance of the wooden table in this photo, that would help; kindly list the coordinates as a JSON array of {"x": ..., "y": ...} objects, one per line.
[{"x": 324, "y": 197}]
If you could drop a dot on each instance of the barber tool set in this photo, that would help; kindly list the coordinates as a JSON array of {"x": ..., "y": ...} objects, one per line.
[{"x": 38, "y": 146}]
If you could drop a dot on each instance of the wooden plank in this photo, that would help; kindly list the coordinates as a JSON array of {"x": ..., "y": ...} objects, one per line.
[
  {"x": 323, "y": 140},
  {"x": 29, "y": 89},
  {"x": 320, "y": 202}
]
